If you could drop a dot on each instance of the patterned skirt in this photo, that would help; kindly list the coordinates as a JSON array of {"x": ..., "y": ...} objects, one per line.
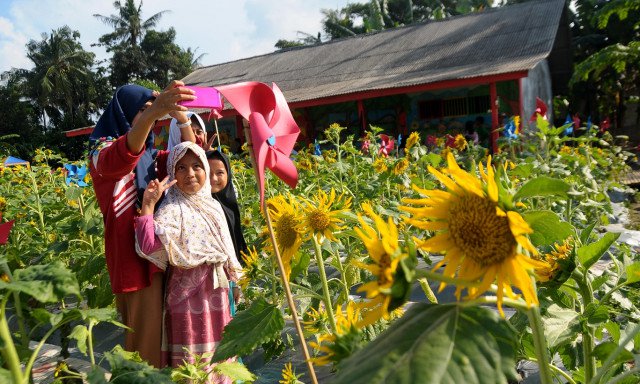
[{"x": 194, "y": 317}]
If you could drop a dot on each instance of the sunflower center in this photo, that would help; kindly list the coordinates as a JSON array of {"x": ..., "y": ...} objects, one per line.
[
  {"x": 286, "y": 233},
  {"x": 385, "y": 264},
  {"x": 478, "y": 231},
  {"x": 318, "y": 220}
]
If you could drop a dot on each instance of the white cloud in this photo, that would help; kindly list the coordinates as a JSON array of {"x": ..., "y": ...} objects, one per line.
[
  {"x": 12, "y": 42},
  {"x": 224, "y": 30}
]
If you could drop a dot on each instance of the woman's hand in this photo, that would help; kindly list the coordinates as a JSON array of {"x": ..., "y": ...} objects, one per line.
[
  {"x": 166, "y": 102},
  {"x": 153, "y": 193},
  {"x": 209, "y": 144}
]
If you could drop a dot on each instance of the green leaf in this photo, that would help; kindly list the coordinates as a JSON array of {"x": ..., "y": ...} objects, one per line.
[
  {"x": 437, "y": 344},
  {"x": 603, "y": 350},
  {"x": 5, "y": 376},
  {"x": 596, "y": 314},
  {"x": 560, "y": 325},
  {"x": 590, "y": 253},
  {"x": 46, "y": 283},
  {"x": 547, "y": 228},
  {"x": 542, "y": 186},
  {"x": 96, "y": 376},
  {"x": 80, "y": 334},
  {"x": 613, "y": 329},
  {"x": 258, "y": 324},
  {"x": 128, "y": 367},
  {"x": 236, "y": 371},
  {"x": 433, "y": 159},
  {"x": 598, "y": 281},
  {"x": 633, "y": 273},
  {"x": 584, "y": 235}
]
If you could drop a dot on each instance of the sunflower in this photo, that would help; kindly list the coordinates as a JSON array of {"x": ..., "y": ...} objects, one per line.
[
  {"x": 553, "y": 261},
  {"x": 380, "y": 165},
  {"x": 482, "y": 240},
  {"x": 305, "y": 163},
  {"x": 329, "y": 156},
  {"x": 289, "y": 375},
  {"x": 384, "y": 250},
  {"x": 348, "y": 336},
  {"x": 286, "y": 226},
  {"x": 460, "y": 143},
  {"x": 321, "y": 214},
  {"x": 250, "y": 269},
  {"x": 414, "y": 138},
  {"x": 317, "y": 320},
  {"x": 401, "y": 166}
]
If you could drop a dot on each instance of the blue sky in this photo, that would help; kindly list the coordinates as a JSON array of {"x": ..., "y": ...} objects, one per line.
[{"x": 223, "y": 29}]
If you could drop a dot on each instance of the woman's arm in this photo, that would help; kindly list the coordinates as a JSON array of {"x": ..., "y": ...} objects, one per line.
[
  {"x": 164, "y": 103},
  {"x": 147, "y": 241},
  {"x": 153, "y": 193}
]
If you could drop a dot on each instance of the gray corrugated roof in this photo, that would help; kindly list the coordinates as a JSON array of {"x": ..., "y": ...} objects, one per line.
[{"x": 497, "y": 41}]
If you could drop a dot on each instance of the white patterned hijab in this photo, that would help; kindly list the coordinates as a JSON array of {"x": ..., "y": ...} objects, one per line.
[
  {"x": 192, "y": 228},
  {"x": 175, "y": 134}
]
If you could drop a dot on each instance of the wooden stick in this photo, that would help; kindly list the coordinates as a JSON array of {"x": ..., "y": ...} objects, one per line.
[{"x": 283, "y": 275}]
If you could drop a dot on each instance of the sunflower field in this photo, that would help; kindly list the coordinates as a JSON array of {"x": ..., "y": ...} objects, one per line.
[{"x": 436, "y": 263}]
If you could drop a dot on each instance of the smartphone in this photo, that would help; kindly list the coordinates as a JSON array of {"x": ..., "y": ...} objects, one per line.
[{"x": 206, "y": 97}]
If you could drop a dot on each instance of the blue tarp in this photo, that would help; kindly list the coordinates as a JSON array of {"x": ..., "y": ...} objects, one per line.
[{"x": 10, "y": 160}]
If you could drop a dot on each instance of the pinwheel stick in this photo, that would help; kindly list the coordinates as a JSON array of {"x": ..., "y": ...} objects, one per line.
[{"x": 283, "y": 275}]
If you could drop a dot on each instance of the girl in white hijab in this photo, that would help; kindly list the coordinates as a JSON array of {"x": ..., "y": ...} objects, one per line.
[
  {"x": 189, "y": 237},
  {"x": 199, "y": 130}
]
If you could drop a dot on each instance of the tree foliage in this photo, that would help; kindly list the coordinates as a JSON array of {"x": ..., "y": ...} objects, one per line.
[
  {"x": 139, "y": 51},
  {"x": 607, "y": 42}
]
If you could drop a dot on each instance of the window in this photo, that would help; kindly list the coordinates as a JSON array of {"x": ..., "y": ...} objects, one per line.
[
  {"x": 459, "y": 106},
  {"x": 479, "y": 104},
  {"x": 430, "y": 109},
  {"x": 455, "y": 107}
]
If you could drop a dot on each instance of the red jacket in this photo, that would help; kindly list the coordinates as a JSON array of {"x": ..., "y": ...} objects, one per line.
[{"x": 111, "y": 168}]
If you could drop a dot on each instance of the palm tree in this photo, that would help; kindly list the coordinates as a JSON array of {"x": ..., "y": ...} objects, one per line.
[
  {"x": 62, "y": 69},
  {"x": 129, "y": 28}
]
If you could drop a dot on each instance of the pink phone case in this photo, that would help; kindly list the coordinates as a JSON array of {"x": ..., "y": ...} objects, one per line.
[{"x": 206, "y": 97}]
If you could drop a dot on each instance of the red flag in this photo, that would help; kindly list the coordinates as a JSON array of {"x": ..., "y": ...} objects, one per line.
[
  {"x": 4, "y": 230},
  {"x": 273, "y": 129}
]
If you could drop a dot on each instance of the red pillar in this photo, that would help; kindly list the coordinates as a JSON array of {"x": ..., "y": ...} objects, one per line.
[
  {"x": 493, "y": 93},
  {"x": 362, "y": 113}
]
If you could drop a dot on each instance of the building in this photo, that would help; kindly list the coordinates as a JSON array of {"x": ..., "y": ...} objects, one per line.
[
  {"x": 430, "y": 77},
  {"x": 421, "y": 76}
]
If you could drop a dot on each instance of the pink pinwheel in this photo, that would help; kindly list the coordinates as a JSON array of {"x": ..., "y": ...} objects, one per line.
[
  {"x": 365, "y": 146},
  {"x": 386, "y": 145},
  {"x": 450, "y": 141},
  {"x": 4, "y": 230},
  {"x": 273, "y": 129},
  {"x": 541, "y": 109}
]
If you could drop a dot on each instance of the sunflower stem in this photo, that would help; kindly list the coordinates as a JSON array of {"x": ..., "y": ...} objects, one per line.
[
  {"x": 428, "y": 292},
  {"x": 287, "y": 290},
  {"x": 343, "y": 279},
  {"x": 325, "y": 285},
  {"x": 9, "y": 352},
  {"x": 420, "y": 273},
  {"x": 557, "y": 370},
  {"x": 540, "y": 344},
  {"x": 587, "y": 334}
]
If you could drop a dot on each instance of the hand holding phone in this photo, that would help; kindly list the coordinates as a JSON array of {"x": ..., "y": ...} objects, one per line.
[{"x": 206, "y": 97}]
